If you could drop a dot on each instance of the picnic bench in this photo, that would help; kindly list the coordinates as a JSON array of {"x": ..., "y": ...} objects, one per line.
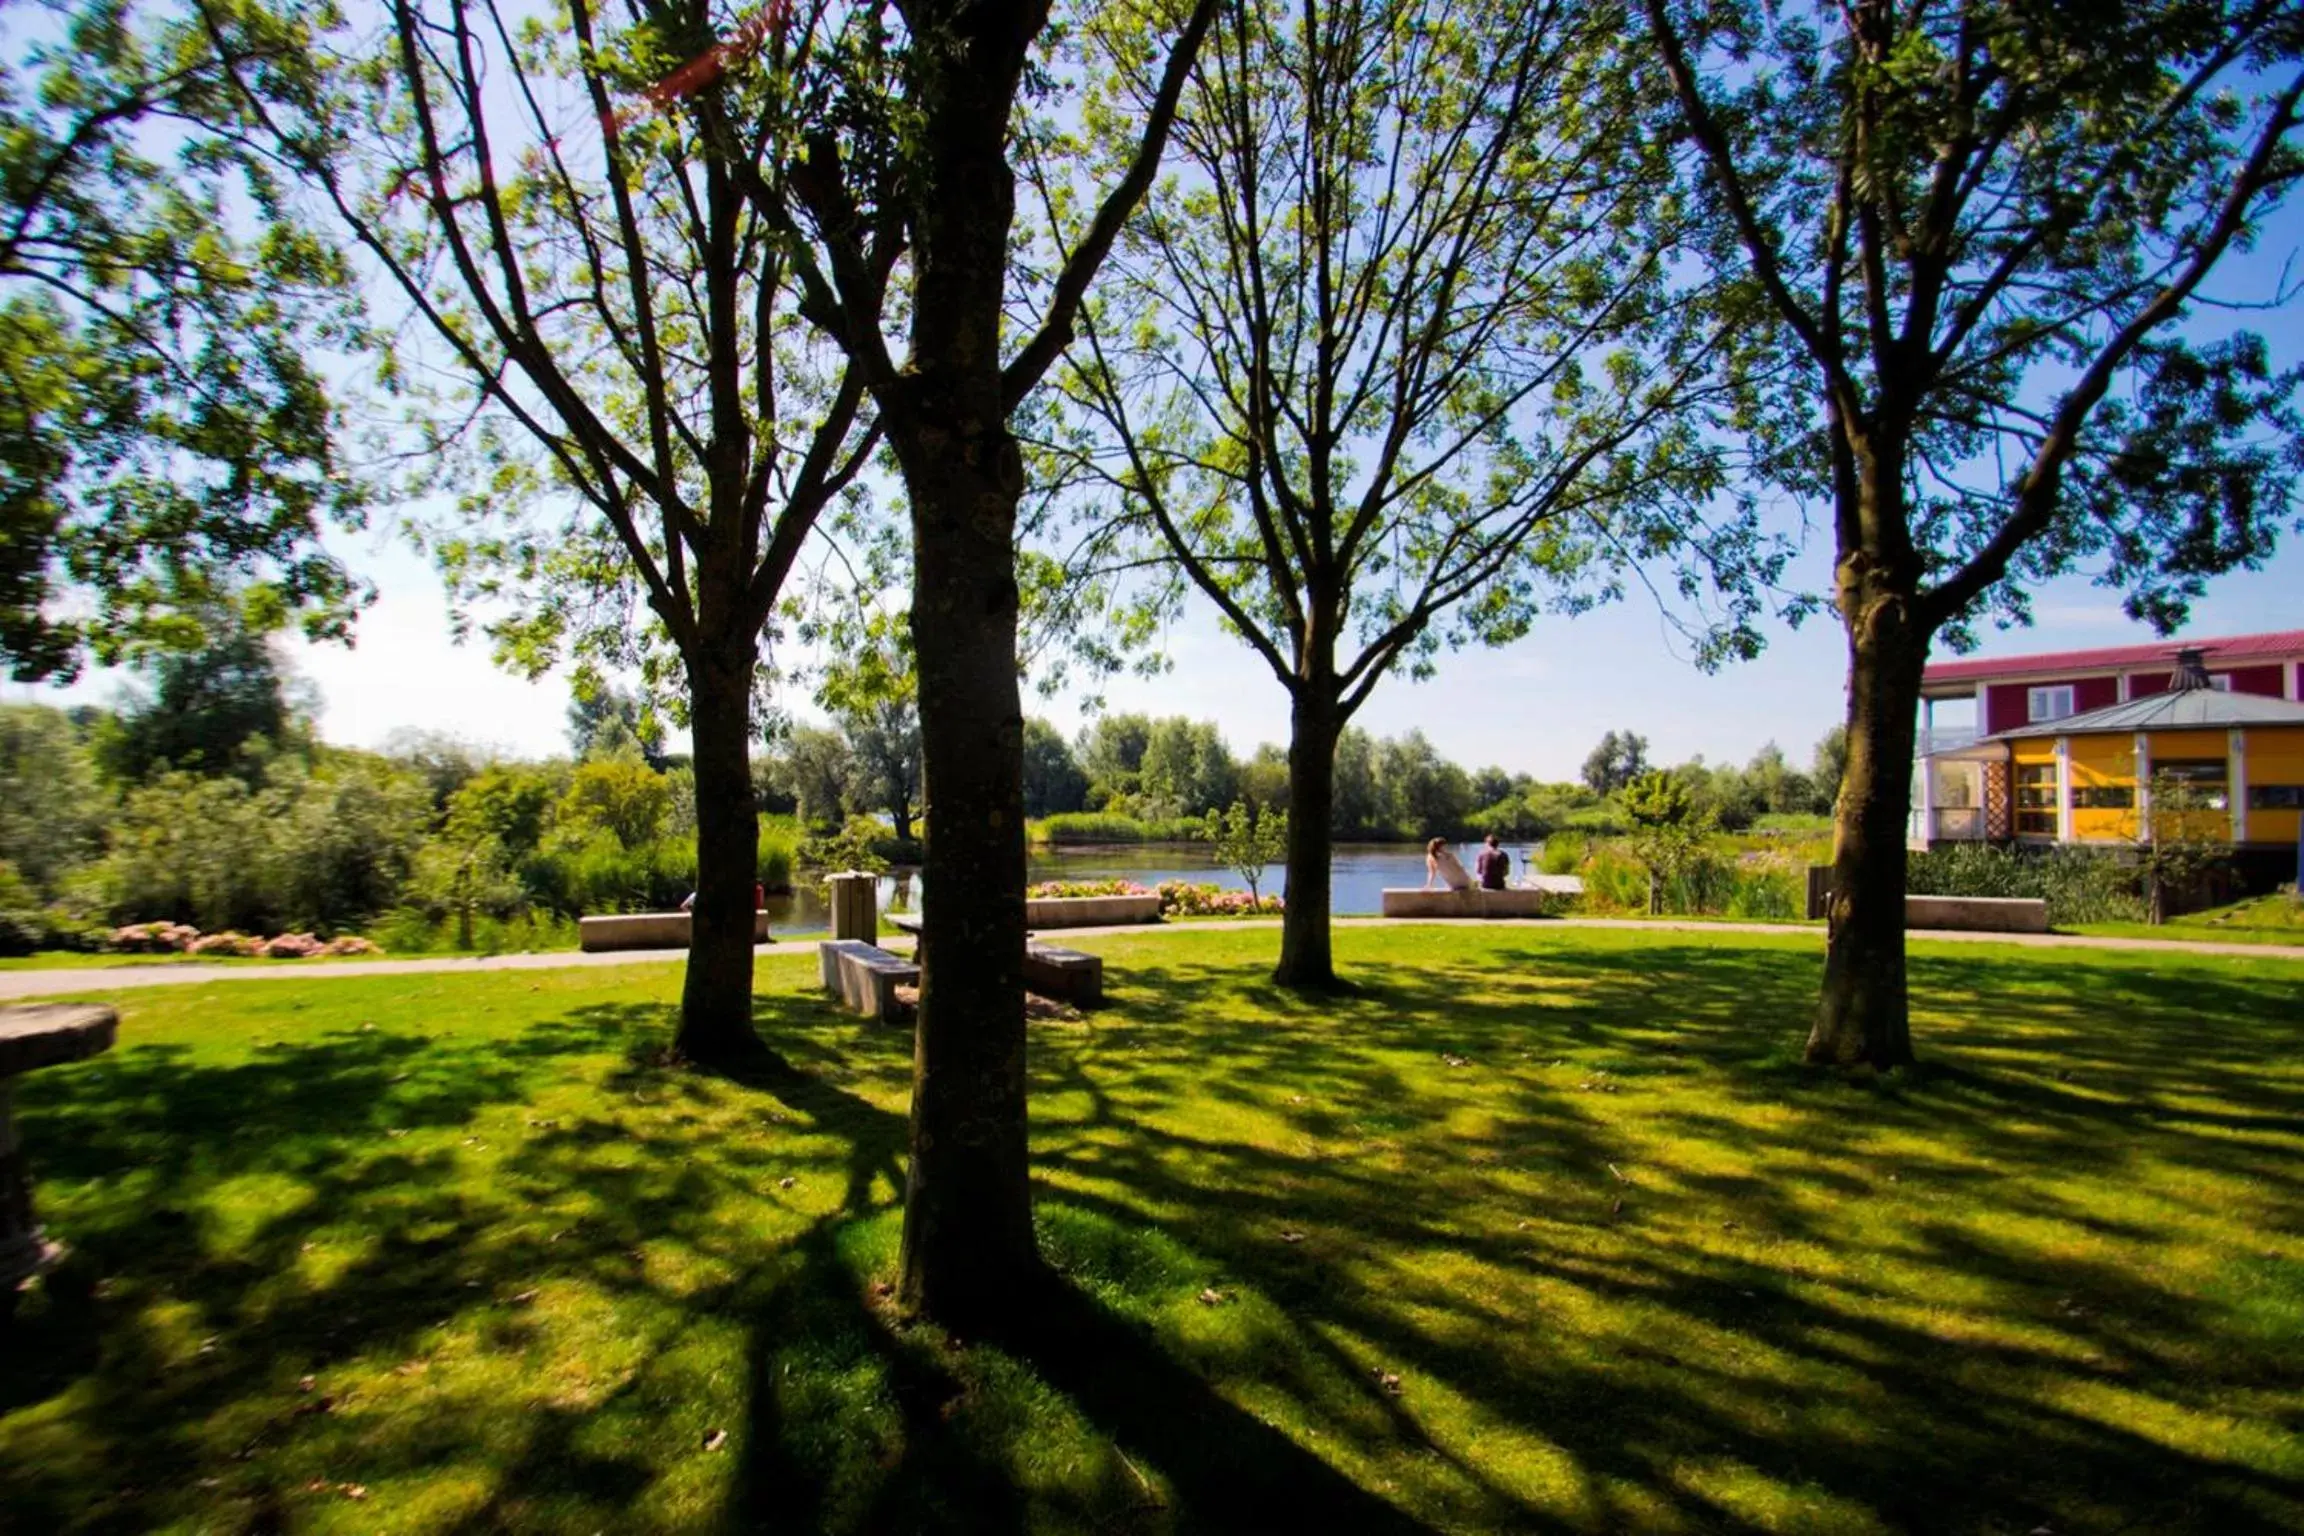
[
  {"x": 31, "y": 1038},
  {"x": 865, "y": 975},
  {"x": 1068, "y": 975}
]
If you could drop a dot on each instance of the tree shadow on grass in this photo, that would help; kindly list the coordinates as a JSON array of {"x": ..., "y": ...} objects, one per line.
[
  {"x": 2036, "y": 1074},
  {"x": 314, "y": 1209}
]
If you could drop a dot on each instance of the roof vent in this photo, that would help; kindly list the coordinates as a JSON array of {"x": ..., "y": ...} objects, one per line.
[{"x": 2191, "y": 671}]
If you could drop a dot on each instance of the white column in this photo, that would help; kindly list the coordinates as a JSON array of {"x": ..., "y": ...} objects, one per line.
[
  {"x": 2143, "y": 787},
  {"x": 2122, "y": 691},
  {"x": 1927, "y": 773},
  {"x": 2236, "y": 786},
  {"x": 2063, "y": 789}
]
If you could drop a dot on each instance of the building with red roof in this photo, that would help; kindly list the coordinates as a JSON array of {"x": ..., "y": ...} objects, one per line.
[{"x": 2064, "y": 746}]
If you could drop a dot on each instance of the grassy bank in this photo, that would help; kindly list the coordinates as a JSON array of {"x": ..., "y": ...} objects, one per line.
[{"x": 1543, "y": 1230}]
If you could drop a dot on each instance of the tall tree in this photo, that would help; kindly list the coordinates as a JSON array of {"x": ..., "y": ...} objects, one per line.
[
  {"x": 643, "y": 437},
  {"x": 1053, "y": 781},
  {"x": 897, "y": 204},
  {"x": 223, "y": 708},
  {"x": 165, "y": 438},
  {"x": 604, "y": 720},
  {"x": 885, "y": 736},
  {"x": 1396, "y": 356},
  {"x": 1620, "y": 758},
  {"x": 1979, "y": 226}
]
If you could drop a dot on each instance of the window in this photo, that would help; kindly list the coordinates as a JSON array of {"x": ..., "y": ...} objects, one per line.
[
  {"x": 2048, "y": 704},
  {"x": 2103, "y": 797},
  {"x": 2036, "y": 795},
  {"x": 2205, "y": 777},
  {"x": 2276, "y": 797},
  {"x": 2220, "y": 681}
]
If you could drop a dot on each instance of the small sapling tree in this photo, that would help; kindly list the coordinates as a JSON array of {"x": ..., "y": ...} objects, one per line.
[
  {"x": 1669, "y": 826},
  {"x": 1249, "y": 839}
]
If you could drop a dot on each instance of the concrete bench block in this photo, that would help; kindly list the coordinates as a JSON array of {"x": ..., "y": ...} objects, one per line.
[
  {"x": 1089, "y": 911},
  {"x": 1977, "y": 914},
  {"x": 647, "y": 930},
  {"x": 1517, "y": 902},
  {"x": 865, "y": 976},
  {"x": 1068, "y": 974}
]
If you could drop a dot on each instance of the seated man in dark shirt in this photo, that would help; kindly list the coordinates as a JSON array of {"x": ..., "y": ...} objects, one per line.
[{"x": 1493, "y": 865}]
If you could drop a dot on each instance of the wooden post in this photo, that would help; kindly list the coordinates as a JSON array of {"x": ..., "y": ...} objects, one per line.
[
  {"x": 1819, "y": 891},
  {"x": 855, "y": 906}
]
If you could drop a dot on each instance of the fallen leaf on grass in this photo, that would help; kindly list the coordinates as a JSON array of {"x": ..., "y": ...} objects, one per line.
[
  {"x": 307, "y": 1383},
  {"x": 1213, "y": 1297},
  {"x": 355, "y": 1490},
  {"x": 524, "y": 1297},
  {"x": 1455, "y": 1061},
  {"x": 1388, "y": 1380},
  {"x": 786, "y": 1182},
  {"x": 716, "y": 1439},
  {"x": 1291, "y": 1236}
]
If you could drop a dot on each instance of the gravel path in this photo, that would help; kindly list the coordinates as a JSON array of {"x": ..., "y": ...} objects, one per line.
[{"x": 17, "y": 985}]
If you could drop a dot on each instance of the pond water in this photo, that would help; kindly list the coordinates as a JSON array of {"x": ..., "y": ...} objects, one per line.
[{"x": 1359, "y": 872}]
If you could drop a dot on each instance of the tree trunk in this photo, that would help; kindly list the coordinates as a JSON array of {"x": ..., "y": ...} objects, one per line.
[
  {"x": 716, "y": 999},
  {"x": 1865, "y": 1014},
  {"x": 969, "y": 1261},
  {"x": 968, "y": 1246},
  {"x": 1306, "y": 960}
]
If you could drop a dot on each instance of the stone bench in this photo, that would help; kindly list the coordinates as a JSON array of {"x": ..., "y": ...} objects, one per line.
[
  {"x": 1977, "y": 914},
  {"x": 865, "y": 975},
  {"x": 647, "y": 930},
  {"x": 1089, "y": 911},
  {"x": 31, "y": 1038},
  {"x": 1050, "y": 970},
  {"x": 1516, "y": 902},
  {"x": 1067, "y": 974}
]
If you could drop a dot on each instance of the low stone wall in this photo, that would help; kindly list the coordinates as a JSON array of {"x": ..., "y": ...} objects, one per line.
[
  {"x": 1412, "y": 902},
  {"x": 1977, "y": 914},
  {"x": 647, "y": 930},
  {"x": 1089, "y": 911}
]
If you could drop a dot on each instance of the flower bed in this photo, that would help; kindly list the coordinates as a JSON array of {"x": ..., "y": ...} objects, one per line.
[
  {"x": 184, "y": 939},
  {"x": 1178, "y": 898}
]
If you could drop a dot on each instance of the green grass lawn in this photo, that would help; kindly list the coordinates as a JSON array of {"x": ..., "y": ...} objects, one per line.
[
  {"x": 1545, "y": 1230},
  {"x": 2258, "y": 920}
]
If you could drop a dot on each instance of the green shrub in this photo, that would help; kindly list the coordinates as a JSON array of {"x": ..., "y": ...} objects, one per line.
[
  {"x": 409, "y": 931},
  {"x": 2080, "y": 885},
  {"x": 779, "y": 852}
]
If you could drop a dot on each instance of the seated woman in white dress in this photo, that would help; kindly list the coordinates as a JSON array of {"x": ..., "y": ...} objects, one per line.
[{"x": 1441, "y": 863}]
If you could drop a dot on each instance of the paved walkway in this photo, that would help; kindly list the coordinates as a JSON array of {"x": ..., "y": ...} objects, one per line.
[{"x": 16, "y": 985}]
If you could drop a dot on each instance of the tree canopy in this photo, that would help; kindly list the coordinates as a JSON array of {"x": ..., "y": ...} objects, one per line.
[{"x": 167, "y": 437}]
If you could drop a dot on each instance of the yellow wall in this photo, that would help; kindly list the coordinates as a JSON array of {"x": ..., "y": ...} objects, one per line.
[
  {"x": 2190, "y": 744},
  {"x": 2275, "y": 755},
  {"x": 2107, "y": 761},
  {"x": 2022, "y": 753}
]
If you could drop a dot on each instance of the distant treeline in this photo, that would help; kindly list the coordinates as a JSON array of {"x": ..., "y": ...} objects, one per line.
[
  {"x": 1131, "y": 777},
  {"x": 208, "y": 800}
]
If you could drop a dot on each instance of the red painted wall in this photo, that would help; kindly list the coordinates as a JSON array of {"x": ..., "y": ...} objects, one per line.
[
  {"x": 2009, "y": 705},
  {"x": 2004, "y": 707},
  {"x": 2265, "y": 680}
]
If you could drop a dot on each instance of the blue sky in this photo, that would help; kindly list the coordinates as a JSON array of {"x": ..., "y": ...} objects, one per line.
[{"x": 1536, "y": 706}]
